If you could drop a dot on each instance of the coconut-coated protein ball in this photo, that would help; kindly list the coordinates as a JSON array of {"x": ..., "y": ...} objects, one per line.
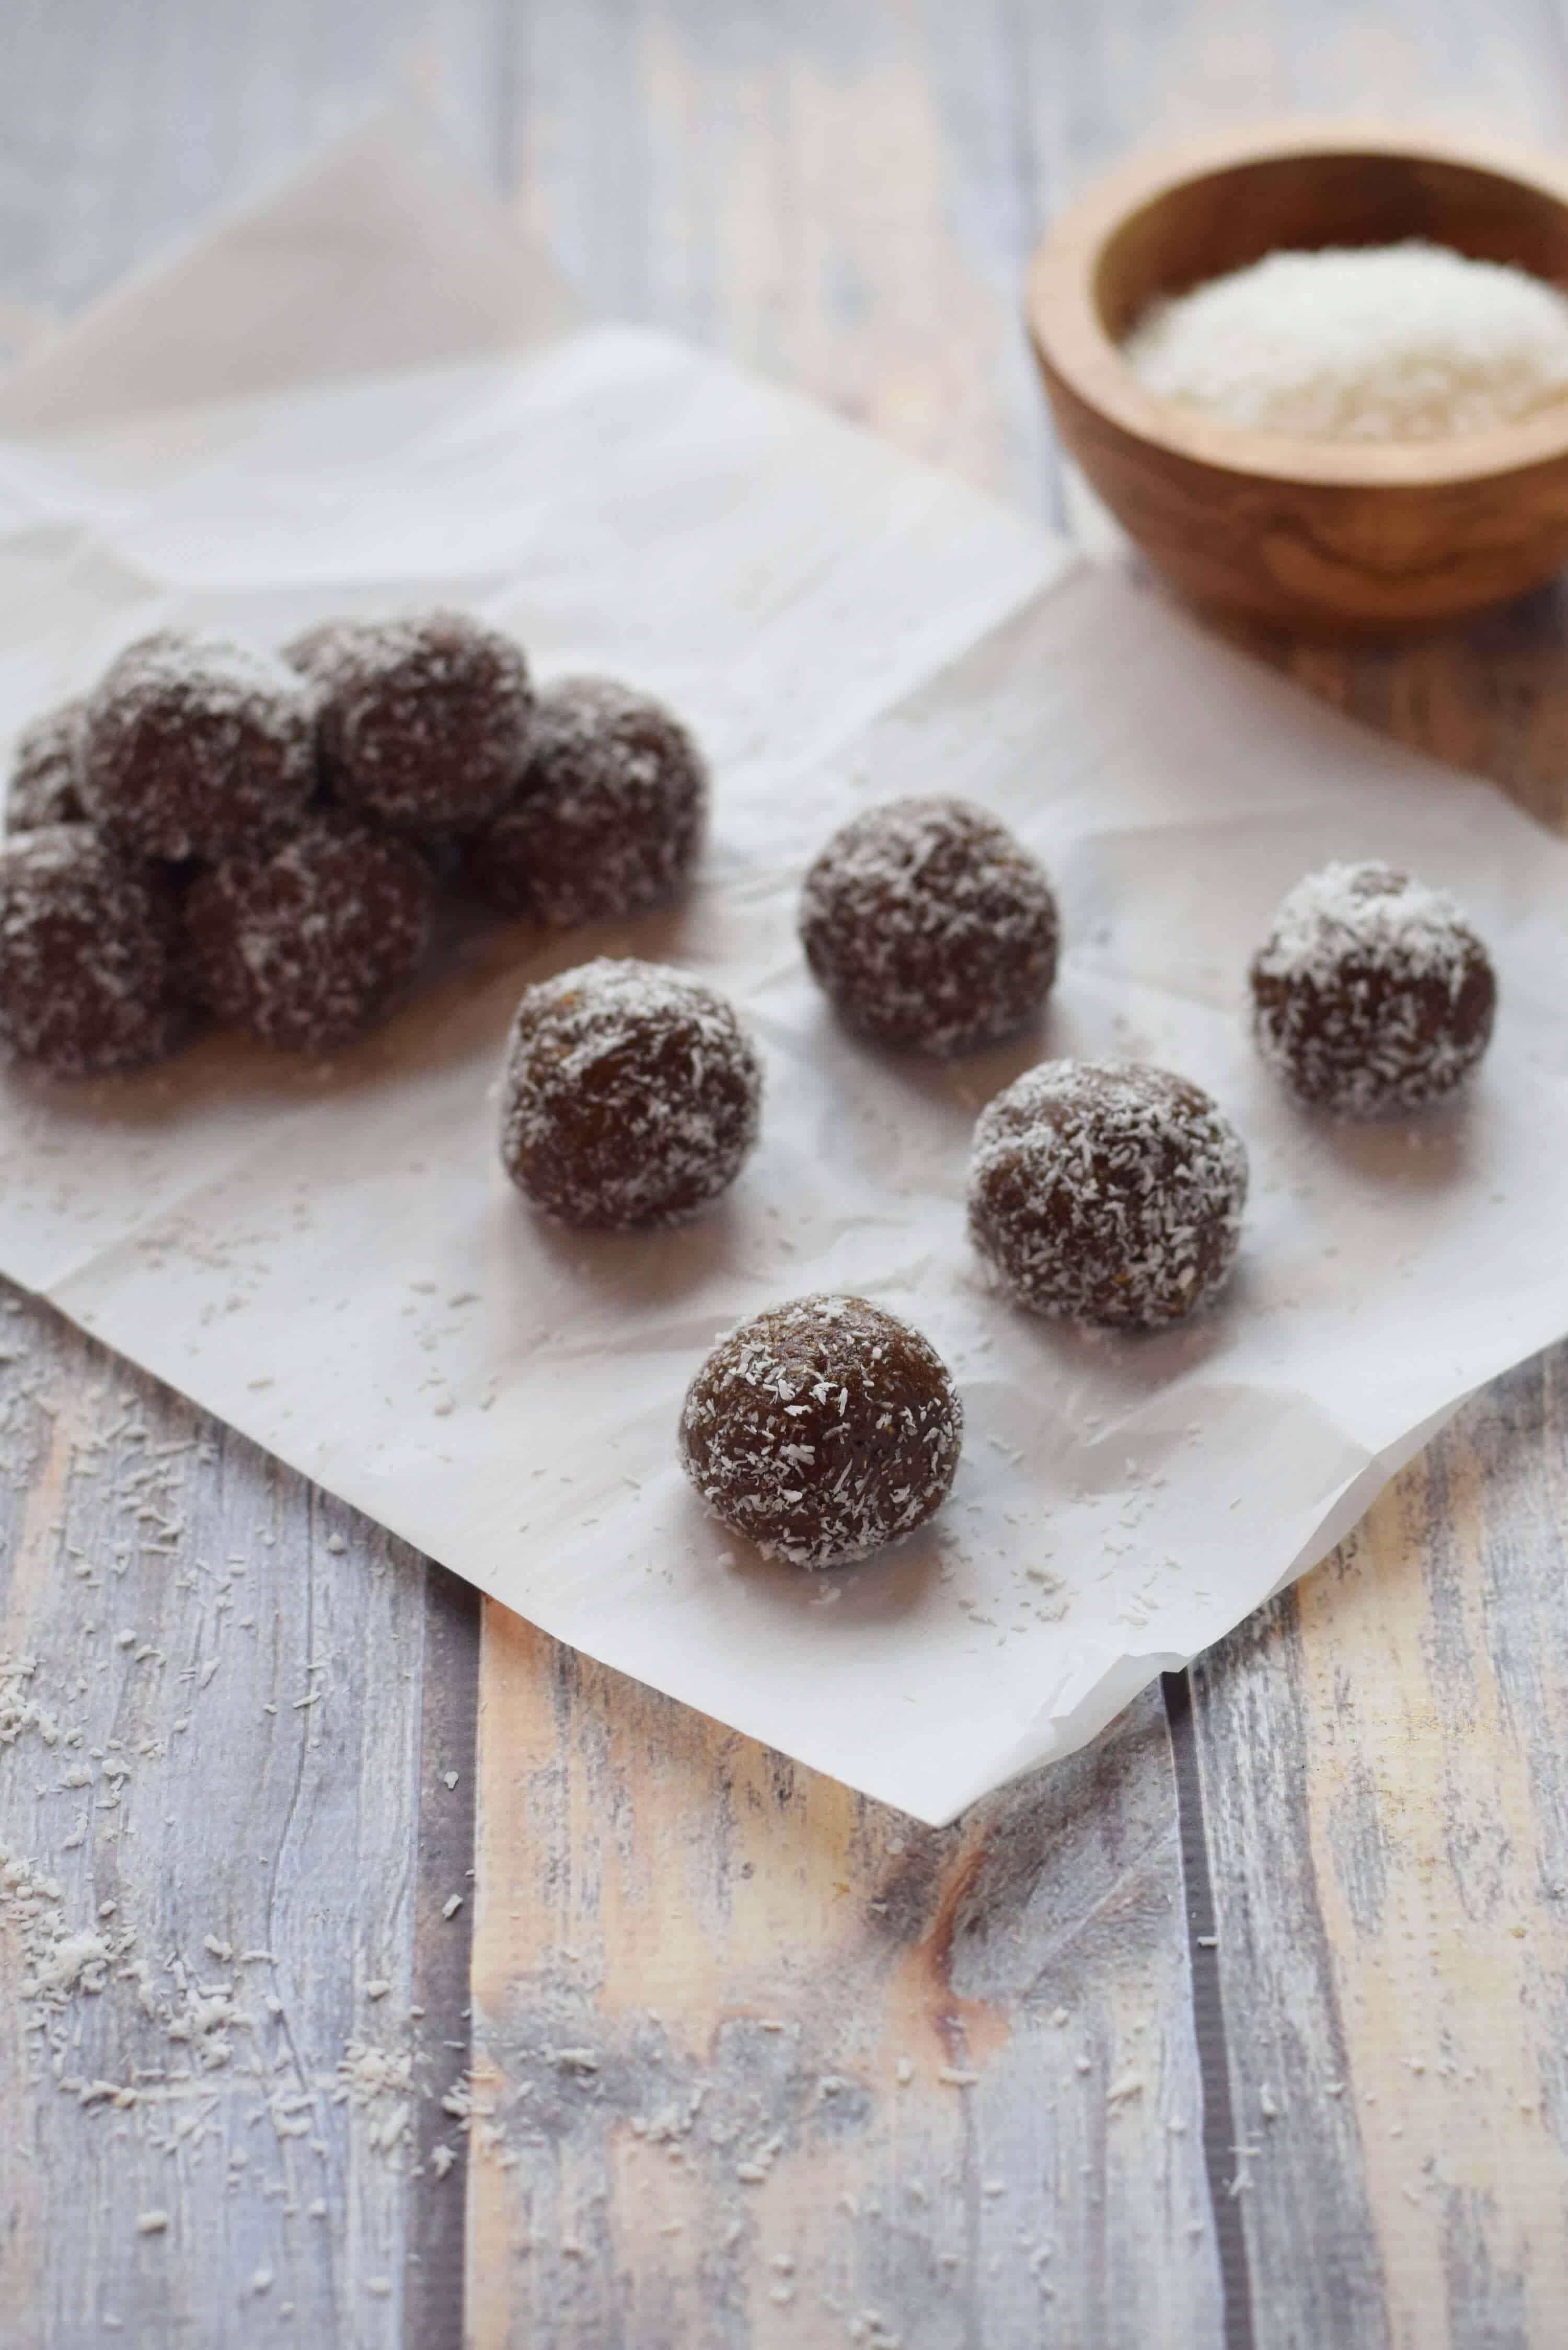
[
  {"x": 822, "y": 1429},
  {"x": 631, "y": 1095},
  {"x": 1372, "y": 993},
  {"x": 313, "y": 650},
  {"x": 46, "y": 782},
  {"x": 425, "y": 720},
  {"x": 1107, "y": 1192},
  {"x": 90, "y": 968},
  {"x": 194, "y": 747},
  {"x": 607, "y": 815},
  {"x": 930, "y": 927},
  {"x": 313, "y": 945}
]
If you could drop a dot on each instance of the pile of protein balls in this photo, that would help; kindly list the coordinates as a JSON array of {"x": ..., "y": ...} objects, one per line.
[
  {"x": 1107, "y": 1192},
  {"x": 223, "y": 832},
  {"x": 220, "y": 832}
]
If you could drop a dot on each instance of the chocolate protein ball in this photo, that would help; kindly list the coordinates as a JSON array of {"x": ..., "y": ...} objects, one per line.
[
  {"x": 196, "y": 748},
  {"x": 822, "y": 1429},
  {"x": 606, "y": 817},
  {"x": 425, "y": 720},
  {"x": 89, "y": 972},
  {"x": 313, "y": 650},
  {"x": 930, "y": 927},
  {"x": 1372, "y": 993},
  {"x": 1106, "y": 1191},
  {"x": 630, "y": 1096},
  {"x": 46, "y": 771},
  {"x": 311, "y": 946}
]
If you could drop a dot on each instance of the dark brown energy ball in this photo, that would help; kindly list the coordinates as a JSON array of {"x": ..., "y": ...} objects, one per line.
[
  {"x": 630, "y": 1096},
  {"x": 1372, "y": 993},
  {"x": 46, "y": 771},
  {"x": 822, "y": 1429},
  {"x": 89, "y": 972},
  {"x": 1106, "y": 1191},
  {"x": 930, "y": 927},
  {"x": 311, "y": 946},
  {"x": 313, "y": 650},
  {"x": 425, "y": 720},
  {"x": 196, "y": 748},
  {"x": 607, "y": 815}
]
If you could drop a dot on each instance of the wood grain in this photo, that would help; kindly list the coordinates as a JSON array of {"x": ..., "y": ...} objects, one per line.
[
  {"x": 847, "y": 197},
  {"x": 798, "y": 194},
  {"x": 1374, "y": 1756},
  {"x": 213, "y": 1752},
  {"x": 322, "y": 1829},
  {"x": 759, "y": 2062},
  {"x": 830, "y": 194},
  {"x": 1071, "y": 95},
  {"x": 1384, "y": 1785},
  {"x": 1351, "y": 1800},
  {"x": 123, "y": 130}
]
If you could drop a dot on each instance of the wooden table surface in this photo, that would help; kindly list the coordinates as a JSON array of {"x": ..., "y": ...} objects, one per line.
[{"x": 1247, "y": 2026}]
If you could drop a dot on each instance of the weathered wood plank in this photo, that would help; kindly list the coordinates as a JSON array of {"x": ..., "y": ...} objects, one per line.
[
  {"x": 120, "y": 132},
  {"x": 324, "y": 1830},
  {"x": 214, "y": 1744},
  {"x": 442, "y": 1945},
  {"x": 845, "y": 197},
  {"x": 828, "y": 194},
  {"x": 1361, "y": 1745},
  {"x": 760, "y": 2062},
  {"x": 832, "y": 196},
  {"x": 1348, "y": 1796},
  {"x": 1384, "y": 1772},
  {"x": 1371, "y": 1759}
]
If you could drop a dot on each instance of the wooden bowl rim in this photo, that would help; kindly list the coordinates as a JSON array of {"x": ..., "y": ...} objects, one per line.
[{"x": 1072, "y": 343}]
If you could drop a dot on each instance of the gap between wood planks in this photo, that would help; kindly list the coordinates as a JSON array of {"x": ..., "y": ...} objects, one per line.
[
  {"x": 1223, "y": 2157},
  {"x": 433, "y": 2304}
]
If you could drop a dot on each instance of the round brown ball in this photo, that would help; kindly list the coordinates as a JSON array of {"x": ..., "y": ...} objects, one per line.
[
  {"x": 822, "y": 1429},
  {"x": 631, "y": 1095},
  {"x": 46, "y": 785},
  {"x": 425, "y": 720},
  {"x": 1107, "y": 1192},
  {"x": 312, "y": 652},
  {"x": 194, "y": 747},
  {"x": 1372, "y": 993},
  {"x": 313, "y": 945},
  {"x": 90, "y": 967},
  {"x": 607, "y": 815},
  {"x": 930, "y": 927}
]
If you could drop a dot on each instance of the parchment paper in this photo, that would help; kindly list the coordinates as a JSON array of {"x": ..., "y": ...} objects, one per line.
[{"x": 362, "y": 395}]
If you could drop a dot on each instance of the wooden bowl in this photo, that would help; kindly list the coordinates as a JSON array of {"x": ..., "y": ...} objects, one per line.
[{"x": 1311, "y": 534}]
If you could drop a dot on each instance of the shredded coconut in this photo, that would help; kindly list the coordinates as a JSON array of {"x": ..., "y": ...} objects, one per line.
[
  {"x": 425, "y": 719},
  {"x": 197, "y": 747},
  {"x": 88, "y": 962},
  {"x": 311, "y": 945},
  {"x": 1398, "y": 342},
  {"x": 1107, "y": 1192},
  {"x": 822, "y": 1429},
  {"x": 607, "y": 815},
  {"x": 930, "y": 927},
  {"x": 631, "y": 1095},
  {"x": 45, "y": 770},
  {"x": 1372, "y": 993}
]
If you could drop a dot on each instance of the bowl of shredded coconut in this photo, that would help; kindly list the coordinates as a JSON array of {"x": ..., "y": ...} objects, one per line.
[{"x": 1320, "y": 373}]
